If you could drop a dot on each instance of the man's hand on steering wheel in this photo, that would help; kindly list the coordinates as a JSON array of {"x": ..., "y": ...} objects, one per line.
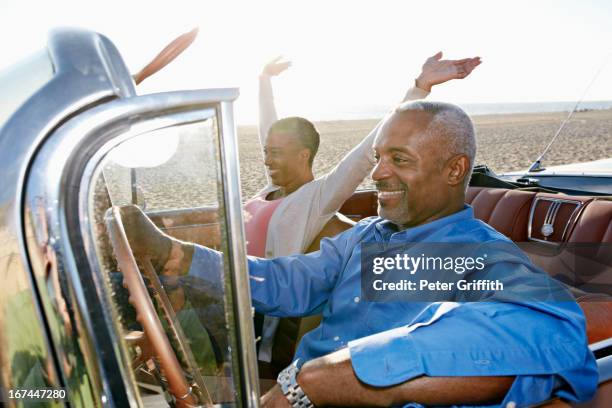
[
  {"x": 169, "y": 256},
  {"x": 136, "y": 242}
]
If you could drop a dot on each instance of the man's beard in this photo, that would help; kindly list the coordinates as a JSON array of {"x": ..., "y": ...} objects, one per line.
[{"x": 398, "y": 214}]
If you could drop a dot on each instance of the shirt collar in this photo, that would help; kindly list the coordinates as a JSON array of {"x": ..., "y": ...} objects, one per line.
[{"x": 385, "y": 229}]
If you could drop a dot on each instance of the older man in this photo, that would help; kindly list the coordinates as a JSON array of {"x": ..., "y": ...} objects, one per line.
[{"x": 515, "y": 352}]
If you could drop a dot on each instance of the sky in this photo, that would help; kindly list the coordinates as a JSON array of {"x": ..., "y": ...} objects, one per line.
[{"x": 348, "y": 56}]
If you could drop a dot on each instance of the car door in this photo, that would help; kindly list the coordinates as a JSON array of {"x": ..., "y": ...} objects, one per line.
[{"x": 175, "y": 155}]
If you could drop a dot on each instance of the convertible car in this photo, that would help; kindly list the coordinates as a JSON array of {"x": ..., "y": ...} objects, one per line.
[{"x": 80, "y": 316}]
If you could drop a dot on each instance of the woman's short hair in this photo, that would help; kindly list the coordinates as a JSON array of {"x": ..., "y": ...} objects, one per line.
[{"x": 302, "y": 129}]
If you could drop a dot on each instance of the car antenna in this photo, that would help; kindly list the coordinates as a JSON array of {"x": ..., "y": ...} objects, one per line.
[{"x": 537, "y": 165}]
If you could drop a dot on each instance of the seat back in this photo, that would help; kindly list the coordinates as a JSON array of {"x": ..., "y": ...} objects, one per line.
[
  {"x": 595, "y": 226},
  {"x": 505, "y": 210},
  {"x": 582, "y": 222},
  {"x": 198, "y": 225},
  {"x": 362, "y": 204}
]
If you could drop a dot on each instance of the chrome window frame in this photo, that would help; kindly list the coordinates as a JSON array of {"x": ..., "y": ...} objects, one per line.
[{"x": 68, "y": 163}]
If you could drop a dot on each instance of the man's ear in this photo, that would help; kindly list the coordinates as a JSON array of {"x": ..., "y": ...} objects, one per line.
[
  {"x": 458, "y": 167},
  {"x": 305, "y": 154}
]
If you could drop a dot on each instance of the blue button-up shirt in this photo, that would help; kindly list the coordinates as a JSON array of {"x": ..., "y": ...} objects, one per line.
[{"x": 543, "y": 344}]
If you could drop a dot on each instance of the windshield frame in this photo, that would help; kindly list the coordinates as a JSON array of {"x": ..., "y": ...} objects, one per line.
[{"x": 66, "y": 166}]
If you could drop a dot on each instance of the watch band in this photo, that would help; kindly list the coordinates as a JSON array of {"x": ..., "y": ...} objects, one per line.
[{"x": 287, "y": 379}]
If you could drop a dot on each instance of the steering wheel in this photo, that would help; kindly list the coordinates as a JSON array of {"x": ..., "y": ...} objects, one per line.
[{"x": 186, "y": 394}]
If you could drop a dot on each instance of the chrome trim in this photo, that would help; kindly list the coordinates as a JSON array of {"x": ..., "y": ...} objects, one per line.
[
  {"x": 91, "y": 57},
  {"x": 81, "y": 79},
  {"x": 572, "y": 219},
  {"x": 604, "y": 364},
  {"x": 549, "y": 221},
  {"x": 551, "y": 215},
  {"x": 601, "y": 344},
  {"x": 235, "y": 229},
  {"x": 60, "y": 174}
]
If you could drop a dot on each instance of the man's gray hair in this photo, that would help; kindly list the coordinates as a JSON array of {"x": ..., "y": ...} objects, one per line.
[{"x": 451, "y": 129}]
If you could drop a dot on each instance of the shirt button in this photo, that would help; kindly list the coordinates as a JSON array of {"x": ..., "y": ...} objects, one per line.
[
  {"x": 356, "y": 299},
  {"x": 511, "y": 404},
  {"x": 336, "y": 338}
]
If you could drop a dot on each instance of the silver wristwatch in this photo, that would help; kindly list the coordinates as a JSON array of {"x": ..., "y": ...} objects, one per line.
[{"x": 287, "y": 379}]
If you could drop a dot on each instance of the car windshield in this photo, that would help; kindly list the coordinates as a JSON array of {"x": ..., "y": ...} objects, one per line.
[{"x": 171, "y": 174}]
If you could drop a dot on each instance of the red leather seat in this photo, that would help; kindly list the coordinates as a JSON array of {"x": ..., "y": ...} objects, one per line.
[
  {"x": 505, "y": 210},
  {"x": 362, "y": 204},
  {"x": 595, "y": 226},
  {"x": 595, "y": 223},
  {"x": 509, "y": 212}
]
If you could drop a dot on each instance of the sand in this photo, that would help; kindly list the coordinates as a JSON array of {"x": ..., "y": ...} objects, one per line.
[{"x": 505, "y": 142}]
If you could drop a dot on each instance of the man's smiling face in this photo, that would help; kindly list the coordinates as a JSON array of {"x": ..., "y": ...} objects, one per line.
[{"x": 409, "y": 175}]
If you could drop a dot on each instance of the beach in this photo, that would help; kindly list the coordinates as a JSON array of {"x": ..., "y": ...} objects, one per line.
[{"x": 505, "y": 142}]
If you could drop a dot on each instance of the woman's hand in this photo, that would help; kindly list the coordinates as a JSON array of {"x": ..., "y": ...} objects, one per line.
[{"x": 437, "y": 71}]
